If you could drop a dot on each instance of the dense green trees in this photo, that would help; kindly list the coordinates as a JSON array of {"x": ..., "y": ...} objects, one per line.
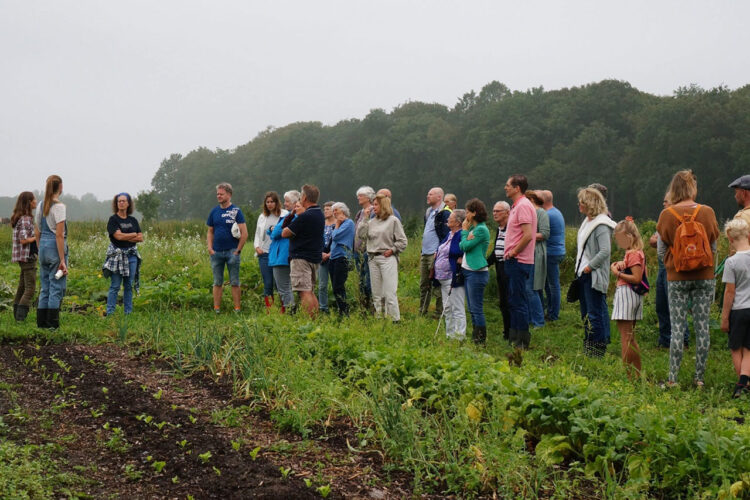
[{"x": 604, "y": 132}]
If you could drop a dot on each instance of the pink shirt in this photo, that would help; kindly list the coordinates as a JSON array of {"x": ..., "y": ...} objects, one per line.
[{"x": 522, "y": 212}]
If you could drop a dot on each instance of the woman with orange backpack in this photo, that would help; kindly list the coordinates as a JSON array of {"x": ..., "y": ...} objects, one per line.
[{"x": 689, "y": 232}]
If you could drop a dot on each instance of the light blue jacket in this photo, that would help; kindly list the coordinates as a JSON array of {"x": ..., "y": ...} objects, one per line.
[{"x": 278, "y": 252}]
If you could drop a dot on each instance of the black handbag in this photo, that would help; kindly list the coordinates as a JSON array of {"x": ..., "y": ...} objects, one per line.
[{"x": 574, "y": 289}]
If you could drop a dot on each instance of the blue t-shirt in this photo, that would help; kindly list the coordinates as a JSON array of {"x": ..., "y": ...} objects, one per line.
[
  {"x": 222, "y": 219},
  {"x": 556, "y": 240},
  {"x": 307, "y": 242}
]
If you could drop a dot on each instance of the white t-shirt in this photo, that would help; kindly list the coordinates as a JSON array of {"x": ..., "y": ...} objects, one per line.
[
  {"x": 56, "y": 215},
  {"x": 737, "y": 271}
]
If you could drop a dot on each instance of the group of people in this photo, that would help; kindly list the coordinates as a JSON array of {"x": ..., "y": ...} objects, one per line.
[{"x": 301, "y": 247}]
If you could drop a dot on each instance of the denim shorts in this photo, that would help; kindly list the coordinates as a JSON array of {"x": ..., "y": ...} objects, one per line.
[{"x": 232, "y": 261}]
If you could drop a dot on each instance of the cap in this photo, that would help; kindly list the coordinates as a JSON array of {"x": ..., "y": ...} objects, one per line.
[{"x": 741, "y": 182}]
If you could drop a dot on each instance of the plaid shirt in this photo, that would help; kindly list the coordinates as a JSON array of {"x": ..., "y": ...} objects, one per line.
[
  {"x": 23, "y": 231},
  {"x": 117, "y": 262}
]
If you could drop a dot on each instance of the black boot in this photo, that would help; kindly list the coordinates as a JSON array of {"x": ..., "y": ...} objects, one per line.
[
  {"x": 524, "y": 339},
  {"x": 53, "y": 319},
  {"x": 15, "y": 309},
  {"x": 21, "y": 312},
  {"x": 480, "y": 335},
  {"x": 512, "y": 336},
  {"x": 41, "y": 318},
  {"x": 506, "y": 334}
]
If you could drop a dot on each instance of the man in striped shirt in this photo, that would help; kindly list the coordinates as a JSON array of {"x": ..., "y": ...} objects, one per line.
[{"x": 500, "y": 213}]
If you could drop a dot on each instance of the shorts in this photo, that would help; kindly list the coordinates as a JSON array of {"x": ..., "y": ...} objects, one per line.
[
  {"x": 739, "y": 329},
  {"x": 303, "y": 274},
  {"x": 226, "y": 257},
  {"x": 627, "y": 305}
]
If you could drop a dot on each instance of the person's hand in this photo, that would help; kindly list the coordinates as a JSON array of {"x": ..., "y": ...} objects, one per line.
[
  {"x": 62, "y": 267},
  {"x": 587, "y": 269},
  {"x": 465, "y": 225},
  {"x": 614, "y": 268},
  {"x": 471, "y": 236},
  {"x": 326, "y": 256},
  {"x": 340, "y": 218},
  {"x": 368, "y": 210},
  {"x": 725, "y": 324},
  {"x": 388, "y": 253},
  {"x": 259, "y": 250},
  {"x": 211, "y": 251},
  {"x": 237, "y": 252}
]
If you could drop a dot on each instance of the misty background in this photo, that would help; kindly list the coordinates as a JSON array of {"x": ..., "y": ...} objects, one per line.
[{"x": 104, "y": 94}]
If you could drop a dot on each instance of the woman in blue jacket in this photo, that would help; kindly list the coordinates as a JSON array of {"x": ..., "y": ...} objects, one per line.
[
  {"x": 448, "y": 273},
  {"x": 342, "y": 242},
  {"x": 278, "y": 252}
]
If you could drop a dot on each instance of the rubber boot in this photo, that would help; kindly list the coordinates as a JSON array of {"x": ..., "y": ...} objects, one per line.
[
  {"x": 283, "y": 309},
  {"x": 53, "y": 318},
  {"x": 41, "y": 318},
  {"x": 15, "y": 311},
  {"x": 269, "y": 302},
  {"x": 524, "y": 339},
  {"x": 21, "y": 312},
  {"x": 481, "y": 335},
  {"x": 512, "y": 336}
]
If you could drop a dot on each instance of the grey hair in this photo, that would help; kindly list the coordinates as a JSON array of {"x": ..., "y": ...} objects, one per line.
[
  {"x": 292, "y": 195},
  {"x": 225, "y": 186},
  {"x": 460, "y": 215},
  {"x": 367, "y": 191},
  {"x": 503, "y": 204},
  {"x": 339, "y": 205}
]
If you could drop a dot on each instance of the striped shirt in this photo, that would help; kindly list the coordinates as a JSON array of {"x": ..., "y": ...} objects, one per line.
[{"x": 500, "y": 244}]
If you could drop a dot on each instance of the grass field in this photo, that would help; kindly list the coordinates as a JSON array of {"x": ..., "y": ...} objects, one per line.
[{"x": 457, "y": 419}]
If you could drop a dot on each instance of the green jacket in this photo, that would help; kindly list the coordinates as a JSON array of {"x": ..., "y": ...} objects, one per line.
[{"x": 475, "y": 249}]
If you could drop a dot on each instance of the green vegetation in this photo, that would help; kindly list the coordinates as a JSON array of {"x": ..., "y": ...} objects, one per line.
[{"x": 459, "y": 419}]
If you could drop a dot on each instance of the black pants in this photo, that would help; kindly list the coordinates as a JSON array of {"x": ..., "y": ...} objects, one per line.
[
  {"x": 338, "y": 271},
  {"x": 502, "y": 292}
]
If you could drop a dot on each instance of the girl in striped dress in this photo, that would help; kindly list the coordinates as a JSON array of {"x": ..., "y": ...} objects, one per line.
[{"x": 627, "y": 307}]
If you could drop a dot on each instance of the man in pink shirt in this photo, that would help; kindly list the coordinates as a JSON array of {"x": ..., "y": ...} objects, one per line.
[{"x": 519, "y": 257}]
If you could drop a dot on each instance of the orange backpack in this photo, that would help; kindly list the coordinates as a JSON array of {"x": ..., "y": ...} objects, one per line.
[{"x": 691, "y": 249}]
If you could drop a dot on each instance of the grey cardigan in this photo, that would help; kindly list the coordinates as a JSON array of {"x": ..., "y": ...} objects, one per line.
[{"x": 597, "y": 251}]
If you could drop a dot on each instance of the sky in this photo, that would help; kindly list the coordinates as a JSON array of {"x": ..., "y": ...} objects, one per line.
[{"x": 101, "y": 92}]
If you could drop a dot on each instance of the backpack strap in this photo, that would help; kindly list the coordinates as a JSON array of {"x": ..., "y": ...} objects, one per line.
[
  {"x": 695, "y": 213},
  {"x": 682, "y": 217}
]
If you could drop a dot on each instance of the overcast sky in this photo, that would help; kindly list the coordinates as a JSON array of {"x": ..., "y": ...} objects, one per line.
[{"x": 100, "y": 92}]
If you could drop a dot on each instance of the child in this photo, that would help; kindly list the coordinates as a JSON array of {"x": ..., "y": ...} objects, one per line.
[
  {"x": 24, "y": 252},
  {"x": 735, "y": 315},
  {"x": 627, "y": 306}
]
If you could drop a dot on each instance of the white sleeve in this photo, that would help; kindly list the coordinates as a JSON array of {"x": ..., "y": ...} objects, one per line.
[{"x": 258, "y": 239}]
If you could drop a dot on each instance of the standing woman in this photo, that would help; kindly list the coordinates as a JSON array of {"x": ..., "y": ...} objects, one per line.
[
  {"x": 535, "y": 284},
  {"x": 262, "y": 243},
  {"x": 123, "y": 262},
  {"x": 25, "y": 252},
  {"x": 448, "y": 273},
  {"x": 592, "y": 267},
  {"x": 53, "y": 254},
  {"x": 324, "y": 271},
  {"x": 278, "y": 251},
  {"x": 385, "y": 239},
  {"x": 342, "y": 243},
  {"x": 688, "y": 280},
  {"x": 475, "y": 238}
]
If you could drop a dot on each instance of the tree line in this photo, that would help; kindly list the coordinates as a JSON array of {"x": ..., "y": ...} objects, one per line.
[{"x": 607, "y": 132}]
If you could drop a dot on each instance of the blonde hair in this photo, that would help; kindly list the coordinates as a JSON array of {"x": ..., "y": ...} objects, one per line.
[
  {"x": 593, "y": 201},
  {"x": 628, "y": 227},
  {"x": 51, "y": 188},
  {"x": 385, "y": 206},
  {"x": 737, "y": 229},
  {"x": 684, "y": 186}
]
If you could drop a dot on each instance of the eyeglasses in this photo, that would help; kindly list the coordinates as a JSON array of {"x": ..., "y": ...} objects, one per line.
[{"x": 498, "y": 211}]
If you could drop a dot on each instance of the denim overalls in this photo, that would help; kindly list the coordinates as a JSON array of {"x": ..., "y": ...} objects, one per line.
[{"x": 52, "y": 290}]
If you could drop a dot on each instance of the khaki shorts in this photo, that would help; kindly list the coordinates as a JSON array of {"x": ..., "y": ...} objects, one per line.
[{"x": 303, "y": 275}]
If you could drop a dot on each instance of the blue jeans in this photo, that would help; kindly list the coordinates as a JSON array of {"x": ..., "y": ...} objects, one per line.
[
  {"x": 323, "y": 285},
  {"x": 552, "y": 286},
  {"x": 127, "y": 292},
  {"x": 536, "y": 311},
  {"x": 662, "y": 310},
  {"x": 518, "y": 301},
  {"x": 226, "y": 257},
  {"x": 475, "y": 282},
  {"x": 267, "y": 274},
  {"x": 51, "y": 290},
  {"x": 594, "y": 312}
]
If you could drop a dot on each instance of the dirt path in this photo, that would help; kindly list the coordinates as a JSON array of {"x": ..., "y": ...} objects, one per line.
[{"x": 134, "y": 431}]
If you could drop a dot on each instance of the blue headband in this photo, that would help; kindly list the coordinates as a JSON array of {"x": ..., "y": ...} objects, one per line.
[{"x": 124, "y": 194}]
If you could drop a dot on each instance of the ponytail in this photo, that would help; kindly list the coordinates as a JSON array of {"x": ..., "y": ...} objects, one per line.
[{"x": 54, "y": 182}]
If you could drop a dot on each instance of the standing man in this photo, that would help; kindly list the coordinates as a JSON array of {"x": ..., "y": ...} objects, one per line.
[
  {"x": 223, "y": 246},
  {"x": 365, "y": 195},
  {"x": 555, "y": 254},
  {"x": 387, "y": 193},
  {"x": 519, "y": 257},
  {"x": 742, "y": 195},
  {"x": 435, "y": 230},
  {"x": 306, "y": 247},
  {"x": 500, "y": 213}
]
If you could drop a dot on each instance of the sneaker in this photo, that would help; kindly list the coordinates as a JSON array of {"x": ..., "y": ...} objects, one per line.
[
  {"x": 699, "y": 384},
  {"x": 668, "y": 385},
  {"x": 217, "y": 310}
]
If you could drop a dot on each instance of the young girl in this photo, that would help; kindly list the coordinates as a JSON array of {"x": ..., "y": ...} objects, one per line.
[
  {"x": 24, "y": 252},
  {"x": 627, "y": 306}
]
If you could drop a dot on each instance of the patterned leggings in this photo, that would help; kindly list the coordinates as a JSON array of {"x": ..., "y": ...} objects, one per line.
[{"x": 701, "y": 292}]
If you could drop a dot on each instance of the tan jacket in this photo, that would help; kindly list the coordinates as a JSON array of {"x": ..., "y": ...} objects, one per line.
[{"x": 382, "y": 235}]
